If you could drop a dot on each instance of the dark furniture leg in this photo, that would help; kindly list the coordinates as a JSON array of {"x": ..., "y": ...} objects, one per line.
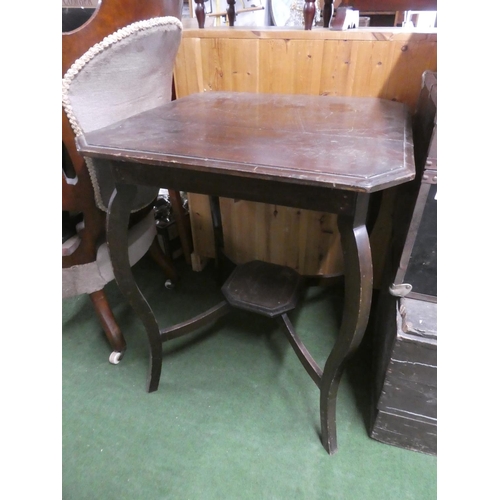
[
  {"x": 163, "y": 260},
  {"x": 231, "y": 13},
  {"x": 117, "y": 230},
  {"x": 309, "y": 12},
  {"x": 327, "y": 13},
  {"x": 200, "y": 13},
  {"x": 183, "y": 227},
  {"x": 357, "y": 301},
  {"x": 108, "y": 322}
]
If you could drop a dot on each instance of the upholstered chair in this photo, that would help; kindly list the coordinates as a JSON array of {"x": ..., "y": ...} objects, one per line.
[{"x": 128, "y": 72}]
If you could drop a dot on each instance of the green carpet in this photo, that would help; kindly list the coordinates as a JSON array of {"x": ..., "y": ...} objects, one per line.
[{"x": 235, "y": 416}]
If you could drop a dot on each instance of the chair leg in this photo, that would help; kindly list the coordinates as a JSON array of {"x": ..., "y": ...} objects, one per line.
[
  {"x": 163, "y": 260},
  {"x": 108, "y": 323},
  {"x": 183, "y": 226}
]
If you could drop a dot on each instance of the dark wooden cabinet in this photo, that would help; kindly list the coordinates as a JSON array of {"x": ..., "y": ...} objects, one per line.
[
  {"x": 405, "y": 333},
  {"x": 405, "y": 403},
  {"x": 415, "y": 241}
]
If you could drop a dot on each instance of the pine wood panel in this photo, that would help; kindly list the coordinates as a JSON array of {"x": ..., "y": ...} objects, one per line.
[{"x": 382, "y": 62}]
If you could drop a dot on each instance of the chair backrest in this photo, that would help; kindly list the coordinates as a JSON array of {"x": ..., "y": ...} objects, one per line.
[{"x": 128, "y": 72}]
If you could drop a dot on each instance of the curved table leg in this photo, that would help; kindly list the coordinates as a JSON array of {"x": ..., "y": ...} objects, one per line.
[
  {"x": 358, "y": 294},
  {"x": 117, "y": 233}
]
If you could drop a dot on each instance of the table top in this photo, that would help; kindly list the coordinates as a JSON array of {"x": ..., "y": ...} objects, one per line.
[{"x": 354, "y": 143}]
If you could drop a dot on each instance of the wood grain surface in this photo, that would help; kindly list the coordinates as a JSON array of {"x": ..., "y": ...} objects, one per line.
[{"x": 377, "y": 62}]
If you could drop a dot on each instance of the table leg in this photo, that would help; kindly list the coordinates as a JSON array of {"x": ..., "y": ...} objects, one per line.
[
  {"x": 358, "y": 294},
  {"x": 117, "y": 234}
]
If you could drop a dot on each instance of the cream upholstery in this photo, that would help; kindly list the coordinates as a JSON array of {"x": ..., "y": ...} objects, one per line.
[
  {"x": 127, "y": 73},
  {"x": 87, "y": 278}
]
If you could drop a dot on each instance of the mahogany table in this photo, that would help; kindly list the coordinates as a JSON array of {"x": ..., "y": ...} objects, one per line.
[{"x": 321, "y": 153}]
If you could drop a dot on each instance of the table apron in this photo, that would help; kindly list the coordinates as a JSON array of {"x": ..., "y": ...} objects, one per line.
[{"x": 271, "y": 191}]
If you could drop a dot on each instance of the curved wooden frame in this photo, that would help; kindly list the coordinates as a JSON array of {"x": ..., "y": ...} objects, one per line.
[{"x": 358, "y": 296}]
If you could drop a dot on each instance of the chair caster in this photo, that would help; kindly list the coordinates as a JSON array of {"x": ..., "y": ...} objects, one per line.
[
  {"x": 115, "y": 357},
  {"x": 169, "y": 285}
]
